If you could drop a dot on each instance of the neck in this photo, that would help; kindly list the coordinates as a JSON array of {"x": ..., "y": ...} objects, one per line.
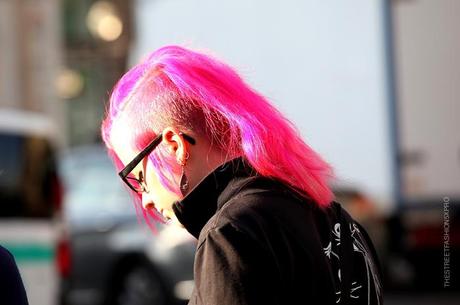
[
  {"x": 199, "y": 167},
  {"x": 203, "y": 200}
]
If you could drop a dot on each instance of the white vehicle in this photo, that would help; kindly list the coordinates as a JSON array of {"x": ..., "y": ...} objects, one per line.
[{"x": 30, "y": 197}]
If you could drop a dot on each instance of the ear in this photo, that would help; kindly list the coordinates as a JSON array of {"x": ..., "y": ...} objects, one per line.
[{"x": 175, "y": 144}]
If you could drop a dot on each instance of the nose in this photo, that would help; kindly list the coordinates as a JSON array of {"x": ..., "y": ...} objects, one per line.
[{"x": 147, "y": 202}]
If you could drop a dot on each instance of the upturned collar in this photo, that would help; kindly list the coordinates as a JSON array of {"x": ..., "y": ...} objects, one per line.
[{"x": 210, "y": 194}]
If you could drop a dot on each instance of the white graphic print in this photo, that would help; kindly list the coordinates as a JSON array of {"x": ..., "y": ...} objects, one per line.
[{"x": 359, "y": 246}]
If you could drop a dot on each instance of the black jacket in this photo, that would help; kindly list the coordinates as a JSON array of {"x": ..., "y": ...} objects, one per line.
[
  {"x": 260, "y": 243},
  {"x": 12, "y": 290}
]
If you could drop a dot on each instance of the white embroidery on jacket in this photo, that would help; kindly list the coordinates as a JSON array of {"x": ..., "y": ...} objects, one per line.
[{"x": 359, "y": 246}]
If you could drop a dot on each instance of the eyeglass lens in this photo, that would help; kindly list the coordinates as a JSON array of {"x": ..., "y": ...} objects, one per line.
[{"x": 137, "y": 184}]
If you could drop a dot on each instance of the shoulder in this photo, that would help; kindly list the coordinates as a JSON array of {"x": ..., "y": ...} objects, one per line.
[
  {"x": 11, "y": 286},
  {"x": 6, "y": 259},
  {"x": 258, "y": 212}
]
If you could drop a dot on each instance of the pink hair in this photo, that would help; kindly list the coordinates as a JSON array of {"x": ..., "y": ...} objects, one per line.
[{"x": 196, "y": 92}]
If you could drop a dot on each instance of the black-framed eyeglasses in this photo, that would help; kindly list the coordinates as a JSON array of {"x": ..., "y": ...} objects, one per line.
[{"x": 138, "y": 184}]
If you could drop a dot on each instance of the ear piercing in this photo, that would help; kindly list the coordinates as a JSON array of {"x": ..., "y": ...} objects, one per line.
[{"x": 183, "y": 180}]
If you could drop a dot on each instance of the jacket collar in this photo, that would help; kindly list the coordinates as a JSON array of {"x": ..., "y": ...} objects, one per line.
[{"x": 211, "y": 193}]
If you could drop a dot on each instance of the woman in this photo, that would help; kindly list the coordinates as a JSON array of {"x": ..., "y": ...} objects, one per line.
[{"x": 199, "y": 147}]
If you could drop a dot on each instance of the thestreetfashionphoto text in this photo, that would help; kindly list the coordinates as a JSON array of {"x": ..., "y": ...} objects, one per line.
[{"x": 446, "y": 241}]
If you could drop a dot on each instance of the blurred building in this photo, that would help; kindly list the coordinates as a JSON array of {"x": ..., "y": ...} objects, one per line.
[
  {"x": 97, "y": 37},
  {"x": 61, "y": 58},
  {"x": 30, "y": 57}
]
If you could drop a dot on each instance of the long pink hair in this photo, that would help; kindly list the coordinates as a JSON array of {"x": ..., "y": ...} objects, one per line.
[{"x": 196, "y": 92}]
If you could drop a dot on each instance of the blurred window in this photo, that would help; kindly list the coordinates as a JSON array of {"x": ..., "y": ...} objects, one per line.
[
  {"x": 93, "y": 189},
  {"x": 28, "y": 178}
]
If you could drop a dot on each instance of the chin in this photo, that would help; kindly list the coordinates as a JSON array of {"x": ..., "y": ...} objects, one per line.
[{"x": 175, "y": 222}]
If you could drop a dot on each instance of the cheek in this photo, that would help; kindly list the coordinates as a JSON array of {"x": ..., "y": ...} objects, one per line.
[{"x": 160, "y": 194}]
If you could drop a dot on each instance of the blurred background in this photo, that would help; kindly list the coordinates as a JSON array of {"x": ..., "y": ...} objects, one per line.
[{"x": 373, "y": 85}]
